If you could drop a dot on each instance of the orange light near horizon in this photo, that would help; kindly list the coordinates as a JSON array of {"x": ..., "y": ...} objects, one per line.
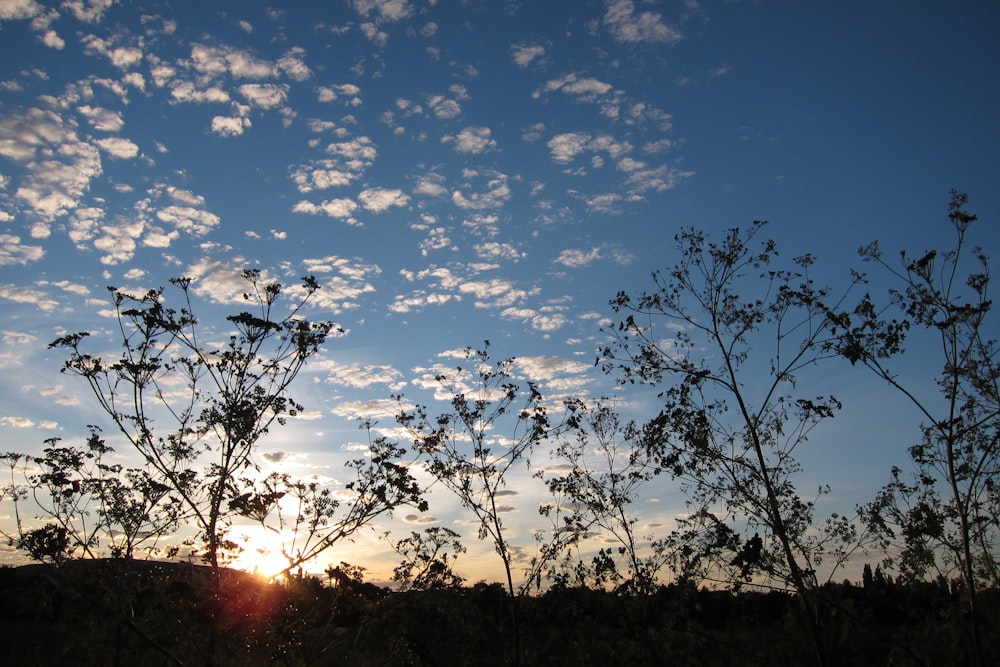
[{"x": 261, "y": 553}]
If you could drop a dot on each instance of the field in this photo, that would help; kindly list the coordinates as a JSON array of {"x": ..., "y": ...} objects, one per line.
[{"x": 135, "y": 612}]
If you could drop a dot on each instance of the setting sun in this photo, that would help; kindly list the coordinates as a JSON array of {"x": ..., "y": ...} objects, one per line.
[{"x": 261, "y": 550}]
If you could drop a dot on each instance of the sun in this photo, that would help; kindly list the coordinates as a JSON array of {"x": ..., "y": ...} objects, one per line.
[{"x": 261, "y": 550}]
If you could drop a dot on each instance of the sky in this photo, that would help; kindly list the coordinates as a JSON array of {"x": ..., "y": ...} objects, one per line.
[{"x": 459, "y": 170}]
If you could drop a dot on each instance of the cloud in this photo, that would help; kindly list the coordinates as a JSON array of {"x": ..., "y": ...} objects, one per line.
[
  {"x": 471, "y": 140},
  {"x": 342, "y": 282},
  {"x": 13, "y": 251},
  {"x": 628, "y": 27},
  {"x": 578, "y": 259},
  {"x": 360, "y": 376},
  {"x": 431, "y": 185},
  {"x": 379, "y": 200},
  {"x": 523, "y": 54},
  {"x": 420, "y": 519},
  {"x": 19, "y": 9},
  {"x": 104, "y": 120},
  {"x": 349, "y": 91},
  {"x": 216, "y": 61},
  {"x": 88, "y": 11},
  {"x": 59, "y": 166},
  {"x": 228, "y": 126},
  {"x": 264, "y": 95},
  {"x": 334, "y": 208},
  {"x": 118, "y": 148},
  {"x": 444, "y": 108},
  {"x": 496, "y": 292},
  {"x": 564, "y": 148},
  {"x": 17, "y": 422},
  {"x": 586, "y": 89},
  {"x": 293, "y": 66},
  {"x": 378, "y": 408},
  {"x": 347, "y": 162},
  {"x": 660, "y": 179},
  {"x": 186, "y": 92},
  {"x": 417, "y": 300},
  {"x": 385, "y": 10},
  {"x": 51, "y": 39},
  {"x": 493, "y": 250},
  {"x": 23, "y": 294},
  {"x": 122, "y": 57},
  {"x": 496, "y": 194},
  {"x": 194, "y": 221}
]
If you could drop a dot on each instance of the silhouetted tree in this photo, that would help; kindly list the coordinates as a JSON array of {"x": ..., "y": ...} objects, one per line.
[
  {"x": 732, "y": 422},
  {"x": 426, "y": 562},
  {"x": 946, "y": 517},
  {"x": 608, "y": 462},
  {"x": 314, "y": 517},
  {"x": 97, "y": 507},
  {"x": 219, "y": 399},
  {"x": 463, "y": 451}
]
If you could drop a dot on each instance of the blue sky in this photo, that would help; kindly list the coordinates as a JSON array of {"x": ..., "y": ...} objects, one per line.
[{"x": 455, "y": 171}]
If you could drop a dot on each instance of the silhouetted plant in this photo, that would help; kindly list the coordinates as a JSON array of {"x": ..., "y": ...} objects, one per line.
[
  {"x": 463, "y": 452},
  {"x": 946, "y": 517},
  {"x": 314, "y": 517},
  {"x": 730, "y": 427},
  {"x": 426, "y": 563},
  {"x": 221, "y": 399},
  {"x": 608, "y": 463},
  {"x": 93, "y": 506}
]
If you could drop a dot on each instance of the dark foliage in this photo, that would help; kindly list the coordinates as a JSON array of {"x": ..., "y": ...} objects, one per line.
[{"x": 142, "y": 612}]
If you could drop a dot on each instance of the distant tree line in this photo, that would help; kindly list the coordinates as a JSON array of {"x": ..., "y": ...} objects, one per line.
[{"x": 727, "y": 338}]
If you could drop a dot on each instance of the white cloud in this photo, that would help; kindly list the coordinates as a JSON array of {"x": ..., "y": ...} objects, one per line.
[
  {"x": 431, "y": 185},
  {"x": 23, "y": 294},
  {"x": 51, "y": 39},
  {"x": 118, "y": 147},
  {"x": 586, "y": 89},
  {"x": 264, "y": 95},
  {"x": 118, "y": 241},
  {"x": 185, "y": 91},
  {"x": 360, "y": 376},
  {"x": 215, "y": 61},
  {"x": 334, "y": 208},
  {"x": 185, "y": 197},
  {"x": 378, "y": 200},
  {"x": 564, "y": 148},
  {"x": 293, "y": 65},
  {"x": 88, "y": 11},
  {"x": 349, "y": 91},
  {"x": 496, "y": 194},
  {"x": 13, "y": 251},
  {"x": 524, "y": 54},
  {"x": 577, "y": 259},
  {"x": 19, "y": 9},
  {"x": 471, "y": 140},
  {"x": 386, "y": 10},
  {"x": 194, "y": 221},
  {"x": 228, "y": 126},
  {"x": 631, "y": 28},
  {"x": 59, "y": 166},
  {"x": 348, "y": 162},
  {"x": 379, "y": 408},
  {"x": 444, "y": 108},
  {"x": 102, "y": 119},
  {"x": 495, "y": 251}
]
